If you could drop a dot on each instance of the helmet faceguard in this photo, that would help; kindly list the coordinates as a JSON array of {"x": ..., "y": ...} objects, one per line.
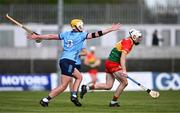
[
  {"x": 77, "y": 24},
  {"x": 136, "y": 36}
]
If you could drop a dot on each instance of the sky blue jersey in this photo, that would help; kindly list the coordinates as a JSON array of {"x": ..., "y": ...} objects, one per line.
[
  {"x": 73, "y": 42},
  {"x": 78, "y": 60}
]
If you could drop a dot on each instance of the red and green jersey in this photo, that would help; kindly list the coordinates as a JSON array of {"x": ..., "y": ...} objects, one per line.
[
  {"x": 125, "y": 45},
  {"x": 90, "y": 58}
]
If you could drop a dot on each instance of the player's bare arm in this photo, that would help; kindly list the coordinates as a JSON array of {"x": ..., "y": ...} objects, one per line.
[
  {"x": 43, "y": 37},
  {"x": 114, "y": 27}
]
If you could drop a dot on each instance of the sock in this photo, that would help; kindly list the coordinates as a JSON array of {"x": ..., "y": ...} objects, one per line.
[
  {"x": 74, "y": 94},
  {"x": 115, "y": 98},
  {"x": 92, "y": 87},
  {"x": 49, "y": 98}
]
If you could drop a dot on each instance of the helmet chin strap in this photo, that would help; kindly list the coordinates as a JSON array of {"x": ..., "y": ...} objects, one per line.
[
  {"x": 136, "y": 43},
  {"x": 77, "y": 28}
]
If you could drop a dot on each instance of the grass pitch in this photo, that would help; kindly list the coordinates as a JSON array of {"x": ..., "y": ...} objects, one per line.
[{"x": 93, "y": 102}]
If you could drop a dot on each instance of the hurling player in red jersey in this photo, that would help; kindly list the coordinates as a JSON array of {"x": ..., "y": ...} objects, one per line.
[
  {"x": 115, "y": 67},
  {"x": 92, "y": 63}
]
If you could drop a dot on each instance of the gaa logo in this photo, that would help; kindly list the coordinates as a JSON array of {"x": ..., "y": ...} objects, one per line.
[{"x": 167, "y": 81}]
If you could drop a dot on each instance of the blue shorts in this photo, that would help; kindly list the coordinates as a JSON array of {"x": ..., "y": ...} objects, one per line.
[
  {"x": 67, "y": 67},
  {"x": 78, "y": 67}
]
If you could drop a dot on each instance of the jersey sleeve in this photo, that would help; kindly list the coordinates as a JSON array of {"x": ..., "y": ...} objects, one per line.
[
  {"x": 62, "y": 35},
  {"x": 83, "y": 46},
  {"x": 84, "y": 35}
]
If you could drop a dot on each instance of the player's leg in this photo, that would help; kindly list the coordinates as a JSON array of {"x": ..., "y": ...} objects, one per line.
[
  {"x": 103, "y": 86},
  {"x": 71, "y": 85},
  {"x": 93, "y": 79},
  {"x": 64, "y": 83},
  {"x": 98, "y": 86},
  {"x": 78, "y": 79},
  {"x": 67, "y": 68},
  {"x": 109, "y": 81},
  {"x": 120, "y": 88},
  {"x": 93, "y": 75},
  {"x": 90, "y": 74},
  {"x": 56, "y": 91},
  {"x": 77, "y": 82},
  {"x": 109, "y": 68}
]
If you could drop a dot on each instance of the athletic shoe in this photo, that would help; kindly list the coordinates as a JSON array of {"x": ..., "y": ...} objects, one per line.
[
  {"x": 75, "y": 101},
  {"x": 114, "y": 104},
  {"x": 83, "y": 91},
  {"x": 44, "y": 104}
]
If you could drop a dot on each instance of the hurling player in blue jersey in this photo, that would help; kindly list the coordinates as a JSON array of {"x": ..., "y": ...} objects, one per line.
[
  {"x": 78, "y": 66},
  {"x": 73, "y": 42}
]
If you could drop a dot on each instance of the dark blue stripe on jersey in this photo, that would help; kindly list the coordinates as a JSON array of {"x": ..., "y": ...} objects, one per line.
[
  {"x": 59, "y": 37},
  {"x": 87, "y": 36}
]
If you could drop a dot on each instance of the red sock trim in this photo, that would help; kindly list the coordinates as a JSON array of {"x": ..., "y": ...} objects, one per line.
[
  {"x": 115, "y": 98},
  {"x": 92, "y": 87}
]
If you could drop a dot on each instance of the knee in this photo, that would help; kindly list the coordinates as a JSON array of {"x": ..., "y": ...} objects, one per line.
[
  {"x": 71, "y": 80},
  {"x": 79, "y": 77},
  {"x": 125, "y": 83},
  {"x": 63, "y": 87}
]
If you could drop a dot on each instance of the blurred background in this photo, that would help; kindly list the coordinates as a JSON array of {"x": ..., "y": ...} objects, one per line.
[{"x": 161, "y": 55}]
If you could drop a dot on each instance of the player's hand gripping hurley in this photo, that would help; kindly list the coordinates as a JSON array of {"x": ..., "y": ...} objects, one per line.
[
  {"x": 153, "y": 94},
  {"x": 22, "y": 26}
]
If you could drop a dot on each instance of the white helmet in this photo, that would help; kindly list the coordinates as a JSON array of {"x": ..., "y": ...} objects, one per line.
[
  {"x": 135, "y": 36},
  {"x": 92, "y": 48}
]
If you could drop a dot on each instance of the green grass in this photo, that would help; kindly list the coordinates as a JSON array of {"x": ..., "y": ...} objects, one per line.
[{"x": 94, "y": 102}]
